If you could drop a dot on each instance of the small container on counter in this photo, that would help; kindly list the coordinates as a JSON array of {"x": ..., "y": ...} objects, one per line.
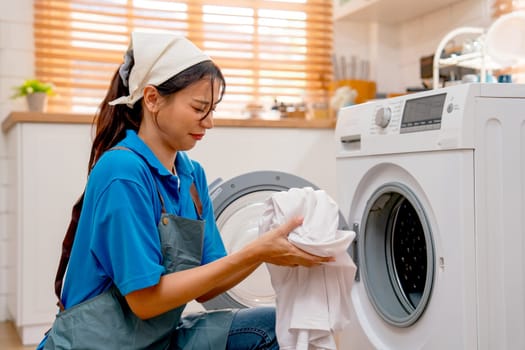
[{"x": 505, "y": 78}]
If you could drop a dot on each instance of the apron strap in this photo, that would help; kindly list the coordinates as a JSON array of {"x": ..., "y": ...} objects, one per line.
[
  {"x": 196, "y": 199},
  {"x": 69, "y": 238}
]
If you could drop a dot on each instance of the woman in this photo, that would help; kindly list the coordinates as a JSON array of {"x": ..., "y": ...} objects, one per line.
[{"x": 146, "y": 242}]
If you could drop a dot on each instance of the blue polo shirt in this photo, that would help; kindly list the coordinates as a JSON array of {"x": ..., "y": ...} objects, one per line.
[{"x": 117, "y": 239}]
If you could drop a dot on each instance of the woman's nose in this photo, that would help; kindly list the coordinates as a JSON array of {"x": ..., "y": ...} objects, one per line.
[{"x": 207, "y": 122}]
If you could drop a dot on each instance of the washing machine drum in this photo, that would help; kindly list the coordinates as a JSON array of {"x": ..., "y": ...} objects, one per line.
[{"x": 239, "y": 204}]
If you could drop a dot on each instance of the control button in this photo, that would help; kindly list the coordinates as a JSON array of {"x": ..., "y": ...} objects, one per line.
[
  {"x": 450, "y": 108},
  {"x": 383, "y": 116}
]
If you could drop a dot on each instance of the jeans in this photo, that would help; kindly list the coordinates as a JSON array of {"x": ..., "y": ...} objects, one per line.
[{"x": 253, "y": 329}]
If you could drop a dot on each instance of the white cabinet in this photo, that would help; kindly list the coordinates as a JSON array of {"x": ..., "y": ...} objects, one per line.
[
  {"x": 385, "y": 11},
  {"x": 47, "y": 171},
  {"x": 47, "y": 168}
]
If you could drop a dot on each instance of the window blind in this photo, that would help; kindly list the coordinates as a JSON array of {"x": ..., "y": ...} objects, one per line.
[{"x": 268, "y": 50}]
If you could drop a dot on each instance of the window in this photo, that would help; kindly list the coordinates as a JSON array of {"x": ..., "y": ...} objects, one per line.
[{"x": 267, "y": 49}]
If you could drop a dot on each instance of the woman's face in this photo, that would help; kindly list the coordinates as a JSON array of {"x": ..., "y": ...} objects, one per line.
[{"x": 181, "y": 119}]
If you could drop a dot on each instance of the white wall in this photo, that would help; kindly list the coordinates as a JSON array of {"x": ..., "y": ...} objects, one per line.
[
  {"x": 394, "y": 50},
  {"x": 377, "y": 43},
  {"x": 421, "y": 36},
  {"x": 308, "y": 153},
  {"x": 16, "y": 64}
]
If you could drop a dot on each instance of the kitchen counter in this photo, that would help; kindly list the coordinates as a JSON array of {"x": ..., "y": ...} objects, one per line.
[{"x": 64, "y": 118}]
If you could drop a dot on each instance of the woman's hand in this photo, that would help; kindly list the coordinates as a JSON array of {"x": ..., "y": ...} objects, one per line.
[{"x": 276, "y": 249}]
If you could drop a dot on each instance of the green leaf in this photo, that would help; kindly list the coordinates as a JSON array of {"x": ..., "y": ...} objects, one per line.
[{"x": 31, "y": 86}]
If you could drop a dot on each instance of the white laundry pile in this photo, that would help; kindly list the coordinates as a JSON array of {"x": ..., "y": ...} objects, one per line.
[{"x": 311, "y": 303}]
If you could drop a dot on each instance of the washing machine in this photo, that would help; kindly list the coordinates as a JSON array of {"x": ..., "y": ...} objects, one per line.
[
  {"x": 433, "y": 183},
  {"x": 238, "y": 204}
]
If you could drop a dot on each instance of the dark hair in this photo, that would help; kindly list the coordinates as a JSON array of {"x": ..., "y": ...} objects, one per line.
[{"x": 111, "y": 122}]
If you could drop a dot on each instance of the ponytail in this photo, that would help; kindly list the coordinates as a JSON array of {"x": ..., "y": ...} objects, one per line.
[{"x": 111, "y": 122}]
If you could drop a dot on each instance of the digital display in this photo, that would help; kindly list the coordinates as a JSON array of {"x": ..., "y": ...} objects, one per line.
[{"x": 423, "y": 113}]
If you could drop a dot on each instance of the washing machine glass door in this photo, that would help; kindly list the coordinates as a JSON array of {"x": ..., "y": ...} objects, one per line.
[
  {"x": 239, "y": 204},
  {"x": 238, "y": 224},
  {"x": 396, "y": 254}
]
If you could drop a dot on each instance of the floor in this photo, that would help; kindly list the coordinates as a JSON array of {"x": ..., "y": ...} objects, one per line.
[{"x": 9, "y": 339}]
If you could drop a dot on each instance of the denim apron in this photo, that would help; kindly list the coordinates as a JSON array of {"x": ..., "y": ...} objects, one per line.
[{"x": 106, "y": 321}]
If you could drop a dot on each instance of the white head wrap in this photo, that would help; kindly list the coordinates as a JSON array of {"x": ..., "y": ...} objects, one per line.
[{"x": 157, "y": 57}]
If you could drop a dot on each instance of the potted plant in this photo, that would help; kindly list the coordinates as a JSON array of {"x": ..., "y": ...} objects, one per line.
[{"x": 36, "y": 93}]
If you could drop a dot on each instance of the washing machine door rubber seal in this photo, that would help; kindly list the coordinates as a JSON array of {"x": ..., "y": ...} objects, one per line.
[{"x": 396, "y": 254}]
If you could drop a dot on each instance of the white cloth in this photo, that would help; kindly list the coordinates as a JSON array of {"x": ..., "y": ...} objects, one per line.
[
  {"x": 158, "y": 57},
  {"x": 311, "y": 303}
]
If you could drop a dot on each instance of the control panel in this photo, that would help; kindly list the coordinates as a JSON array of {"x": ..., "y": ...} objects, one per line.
[
  {"x": 409, "y": 115},
  {"x": 423, "y": 121}
]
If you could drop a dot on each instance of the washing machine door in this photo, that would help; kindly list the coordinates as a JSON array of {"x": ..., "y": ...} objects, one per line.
[
  {"x": 238, "y": 204},
  {"x": 396, "y": 254}
]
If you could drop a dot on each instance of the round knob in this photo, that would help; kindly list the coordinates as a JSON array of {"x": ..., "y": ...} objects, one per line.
[{"x": 383, "y": 116}]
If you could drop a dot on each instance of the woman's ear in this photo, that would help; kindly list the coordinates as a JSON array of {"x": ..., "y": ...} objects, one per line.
[{"x": 151, "y": 99}]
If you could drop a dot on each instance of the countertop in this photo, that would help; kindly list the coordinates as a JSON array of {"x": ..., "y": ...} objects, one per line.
[{"x": 64, "y": 118}]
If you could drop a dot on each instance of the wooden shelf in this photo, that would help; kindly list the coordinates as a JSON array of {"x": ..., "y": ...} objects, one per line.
[{"x": 470, "y": 60}]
